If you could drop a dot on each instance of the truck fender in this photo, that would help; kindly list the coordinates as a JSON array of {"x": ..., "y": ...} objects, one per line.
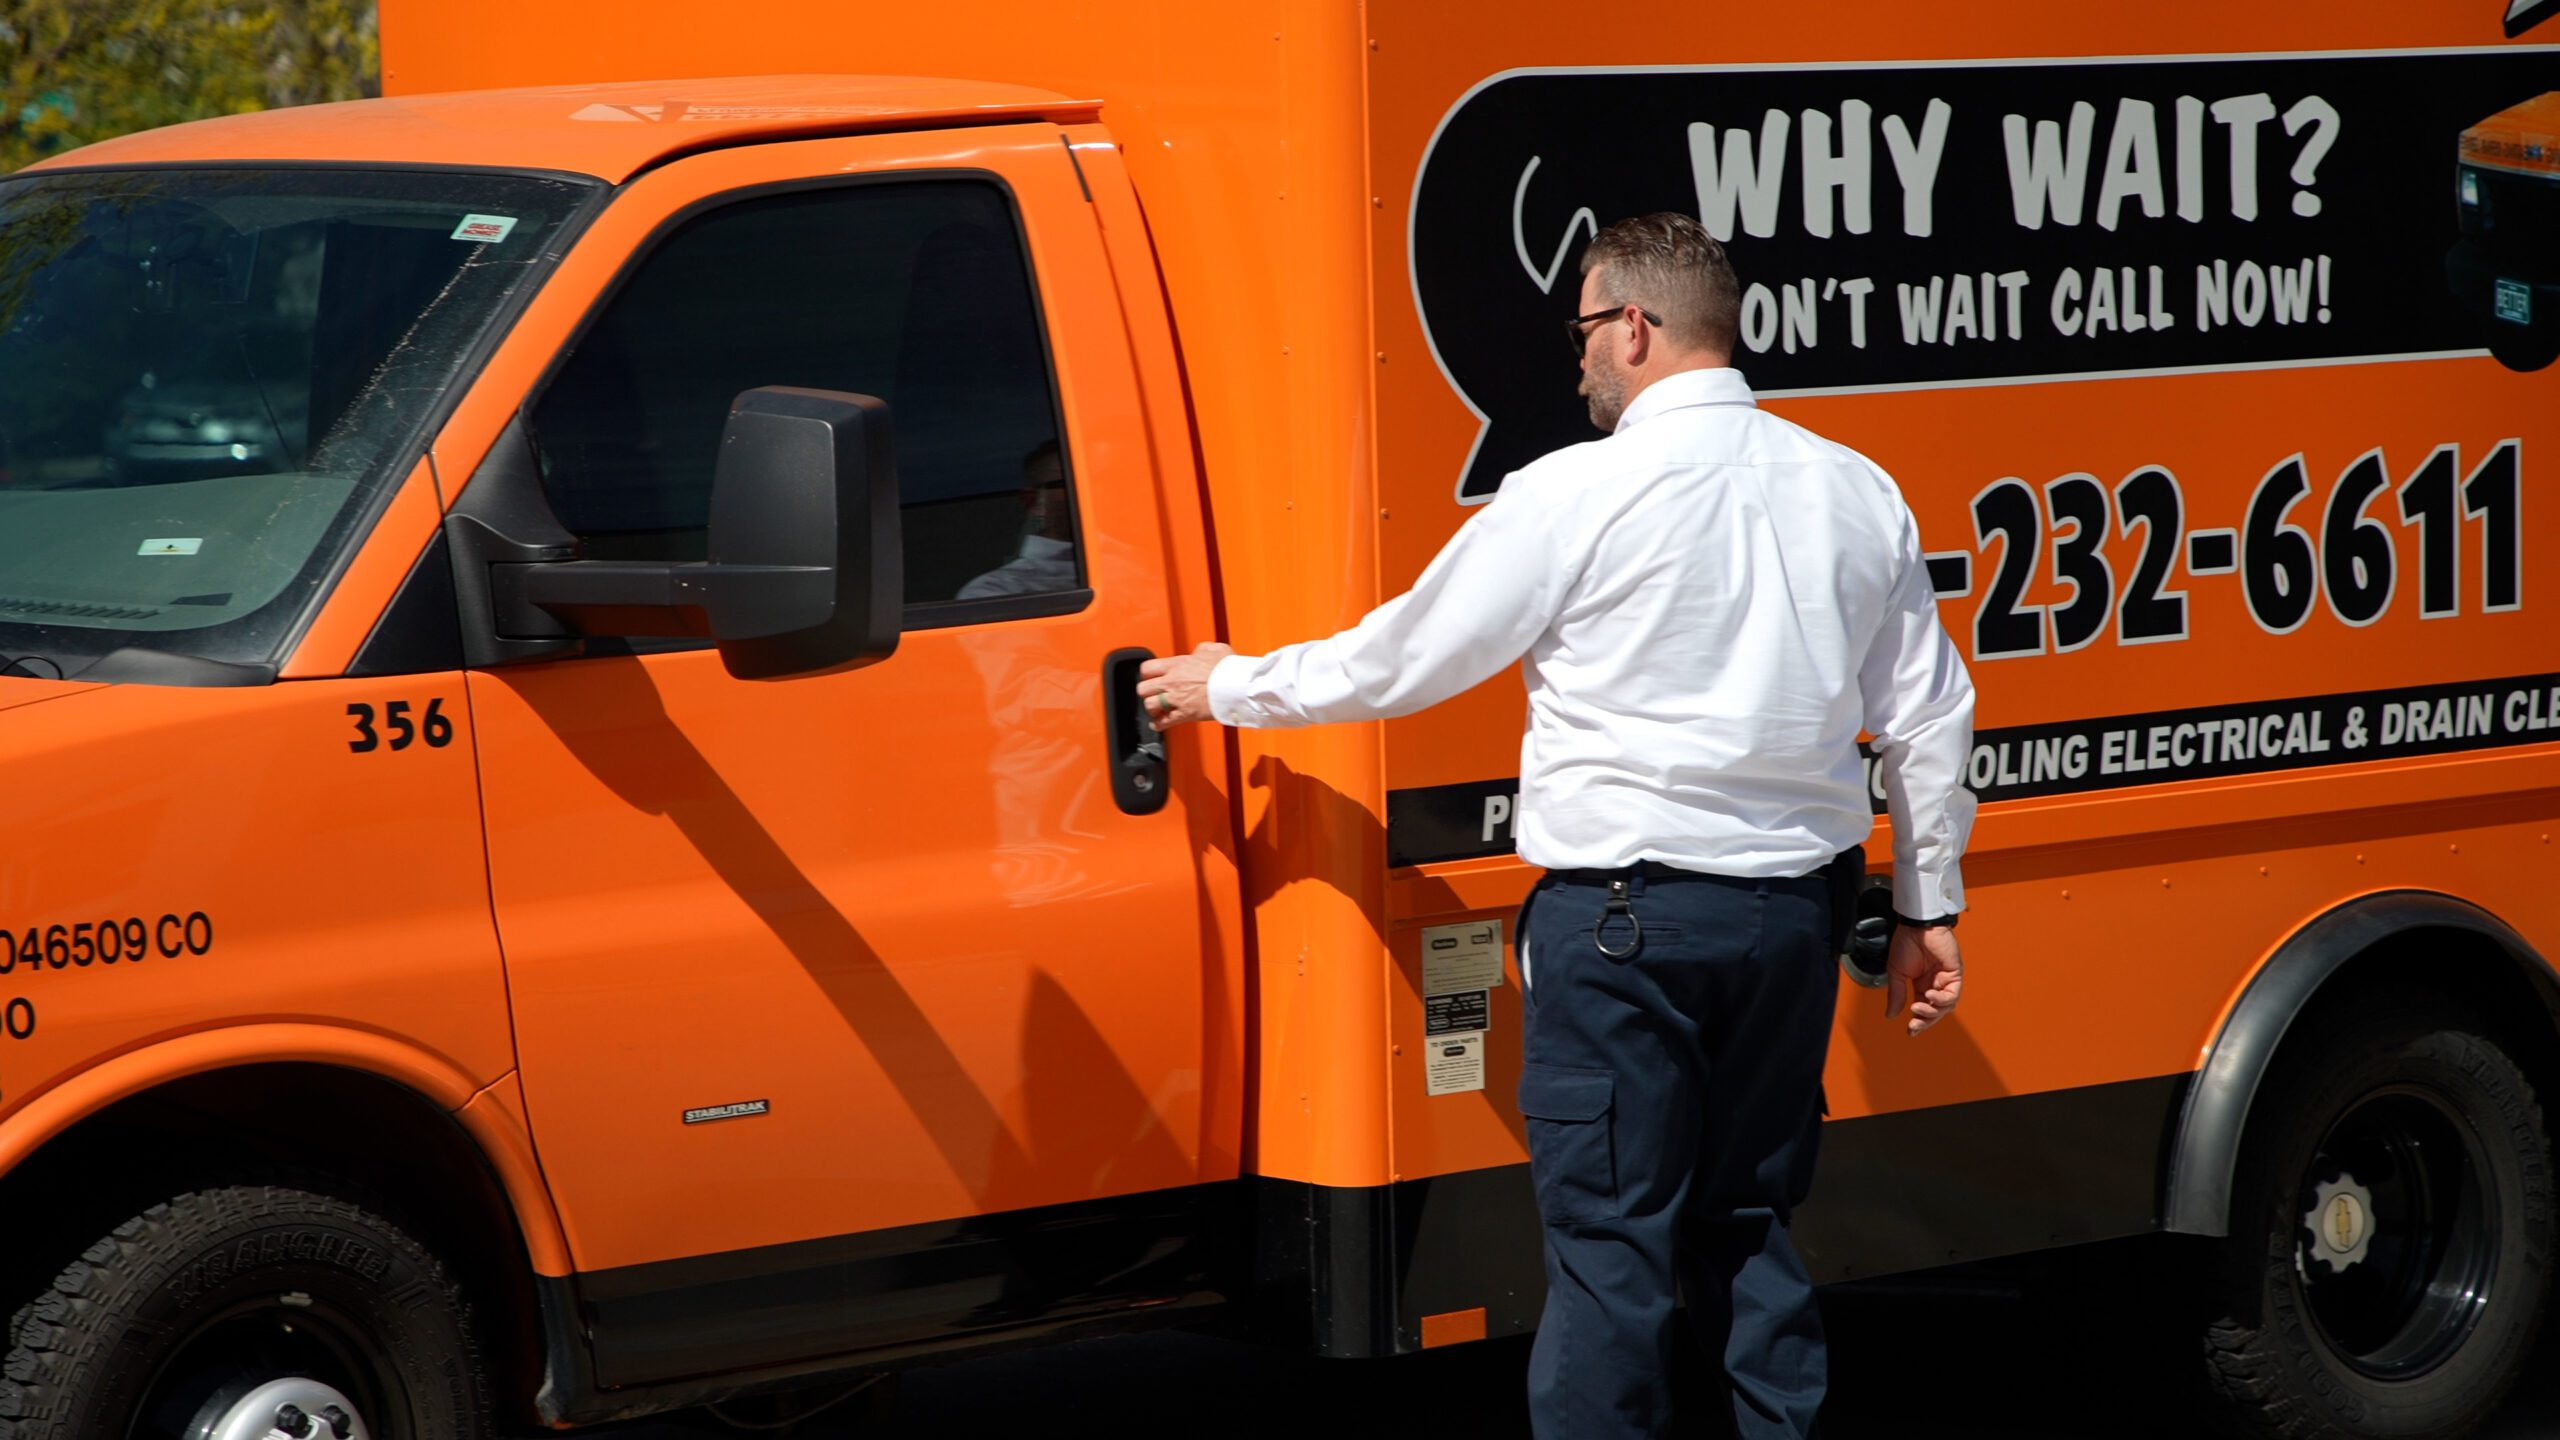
[
  {"x": 2205, "y": 1150},
  {"x": 489, "y": 1113}
]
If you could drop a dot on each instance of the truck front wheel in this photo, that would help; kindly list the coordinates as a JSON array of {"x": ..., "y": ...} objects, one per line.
[
  {"x": 2391, "y": 1236},
  {"x": 222, "y": 1310}
]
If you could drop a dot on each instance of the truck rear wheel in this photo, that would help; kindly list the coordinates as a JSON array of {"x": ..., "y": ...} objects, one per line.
[
  {"x": 2391, "y": 1238},
  {"x": 217, "y": 1312}
]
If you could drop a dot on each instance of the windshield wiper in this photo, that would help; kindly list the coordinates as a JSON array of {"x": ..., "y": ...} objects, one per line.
[
  {"x": 133, "y": 664},
  {"x": 284, "y": 447},
  {"x": 138, "y": 665}
]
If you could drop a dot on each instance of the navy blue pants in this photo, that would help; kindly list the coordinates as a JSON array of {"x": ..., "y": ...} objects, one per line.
[{"x": 1671, "y": 1086}]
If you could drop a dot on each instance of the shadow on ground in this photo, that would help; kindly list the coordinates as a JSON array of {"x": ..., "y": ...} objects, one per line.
[{"x": 2055, "y": 1352}]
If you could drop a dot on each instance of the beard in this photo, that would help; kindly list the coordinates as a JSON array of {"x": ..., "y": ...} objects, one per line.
[{"x": 1604, "y": 385}]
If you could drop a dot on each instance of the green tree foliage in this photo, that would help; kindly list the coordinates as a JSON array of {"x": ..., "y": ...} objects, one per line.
[{"x": 74, "y": 71}]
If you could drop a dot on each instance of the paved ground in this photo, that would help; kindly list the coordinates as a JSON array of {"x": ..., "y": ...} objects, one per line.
[{"x": 2043, "y": 1368}]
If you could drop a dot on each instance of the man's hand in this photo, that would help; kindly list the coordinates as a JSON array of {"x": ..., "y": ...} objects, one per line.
[
  {"x": 1176, "y": 688},
  {"x": 1926, "y": 965}
]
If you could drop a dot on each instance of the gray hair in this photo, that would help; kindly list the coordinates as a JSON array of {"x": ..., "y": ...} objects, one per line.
[{"x": 1669, "y": 264}]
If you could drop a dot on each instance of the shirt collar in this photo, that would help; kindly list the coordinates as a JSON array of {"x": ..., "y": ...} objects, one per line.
[{"x": 1720, "y": 386}]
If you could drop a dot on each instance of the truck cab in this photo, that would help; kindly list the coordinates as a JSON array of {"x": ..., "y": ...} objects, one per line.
[{"x": 489, "y": 570}]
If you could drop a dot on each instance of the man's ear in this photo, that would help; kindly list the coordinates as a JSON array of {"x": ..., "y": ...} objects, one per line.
[{"x": 1640, "y": 337}]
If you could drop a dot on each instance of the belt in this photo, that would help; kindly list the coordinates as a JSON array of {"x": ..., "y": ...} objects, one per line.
[
  {"x": 1836, "y": 879},
  {"x": 1645, "y": 869},
  {"x": 1655, "y": 871}
]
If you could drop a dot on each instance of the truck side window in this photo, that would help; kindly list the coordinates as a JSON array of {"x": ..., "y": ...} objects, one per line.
[{"x": 916, "y": 292}]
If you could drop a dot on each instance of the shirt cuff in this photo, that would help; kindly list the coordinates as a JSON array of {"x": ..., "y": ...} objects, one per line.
[
  {"x": 1228, "y": 704},
  {"x": 1932, "y": 884},
  {"x": 1927, "y": 891}
]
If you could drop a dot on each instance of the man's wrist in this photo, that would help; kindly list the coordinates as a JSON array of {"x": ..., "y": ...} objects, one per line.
[{"x": 1933, "y": 922}]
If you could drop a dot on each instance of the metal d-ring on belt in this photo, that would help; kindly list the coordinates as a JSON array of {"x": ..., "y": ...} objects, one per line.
[{"x": 1617, "y": 905}]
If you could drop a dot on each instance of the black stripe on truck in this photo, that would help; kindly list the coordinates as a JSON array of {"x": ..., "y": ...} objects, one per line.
[{"x": 2108, "y": 752}]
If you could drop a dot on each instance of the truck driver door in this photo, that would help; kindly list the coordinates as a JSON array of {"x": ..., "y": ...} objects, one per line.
[{"x": 842, "y": 985}]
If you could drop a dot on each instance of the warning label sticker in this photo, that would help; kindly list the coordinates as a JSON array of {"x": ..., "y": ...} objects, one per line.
[
  {"x": 1461, "y": 957},
  {"x": 1453, "y": 1064},
  {"x": 1456, "y": 1014}
]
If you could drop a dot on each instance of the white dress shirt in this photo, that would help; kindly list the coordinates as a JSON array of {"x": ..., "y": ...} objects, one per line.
[
  {"x": 1040, "y": 566},
  {"x": 1711, "y": 603}
]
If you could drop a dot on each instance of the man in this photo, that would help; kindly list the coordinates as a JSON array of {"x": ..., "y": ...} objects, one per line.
[
  {"x": 1045, "y": 561},
  {"x": 1712, "y": 602}
]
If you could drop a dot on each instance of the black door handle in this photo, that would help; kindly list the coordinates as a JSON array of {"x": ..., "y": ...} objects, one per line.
[{"x": 1139, "y": 783}]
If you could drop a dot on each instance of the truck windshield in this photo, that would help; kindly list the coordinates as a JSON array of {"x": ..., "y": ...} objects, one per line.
[{"x": 206, "y": 380}]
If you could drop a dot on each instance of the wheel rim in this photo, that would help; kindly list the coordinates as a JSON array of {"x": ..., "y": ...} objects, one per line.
[
  {"x": 297, "y": 1405},
  {"x": 234, "y": 1357},
  {"x": 2397, "y": 1238}
]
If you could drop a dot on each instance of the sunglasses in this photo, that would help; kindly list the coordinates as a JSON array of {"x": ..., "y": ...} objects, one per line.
[{"x": 1579, "y": 327}]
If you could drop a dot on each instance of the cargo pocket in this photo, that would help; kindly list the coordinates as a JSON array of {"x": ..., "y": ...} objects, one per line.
[{"x": 1571, "y": 1157}]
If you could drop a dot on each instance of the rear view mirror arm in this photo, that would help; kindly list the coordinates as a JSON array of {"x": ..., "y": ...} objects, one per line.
[
  {"x": 637, "y": 598},
  {"x": 502, "y": 522}
]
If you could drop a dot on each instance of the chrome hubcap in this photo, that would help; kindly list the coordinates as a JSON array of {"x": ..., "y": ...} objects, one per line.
[
  {"x": 2342, "y": 1218},
  {"x": 294, "y": 1408}
]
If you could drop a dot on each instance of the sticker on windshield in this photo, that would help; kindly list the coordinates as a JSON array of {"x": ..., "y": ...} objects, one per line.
[
  {"x": 486, "y": 229},
  {"x": 187, "y": 546}
]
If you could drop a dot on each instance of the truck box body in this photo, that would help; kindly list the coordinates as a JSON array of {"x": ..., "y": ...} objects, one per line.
[
  {"x": 1289, "y": 188},
  {"x": 864, "y": 1013}
]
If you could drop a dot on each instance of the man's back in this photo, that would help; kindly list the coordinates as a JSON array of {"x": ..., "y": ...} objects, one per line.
[{"x": 1697, "y": 697}]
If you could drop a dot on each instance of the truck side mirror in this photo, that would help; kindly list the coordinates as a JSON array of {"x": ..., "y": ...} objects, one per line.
[
  {"x": 806, "y": 486},
  {"x": 805, "y": 571}
]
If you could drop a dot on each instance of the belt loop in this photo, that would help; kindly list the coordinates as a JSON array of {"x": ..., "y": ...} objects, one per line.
[{"x": 1635, "y": 881}]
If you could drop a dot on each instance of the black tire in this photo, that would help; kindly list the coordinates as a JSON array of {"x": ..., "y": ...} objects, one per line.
[
  {"x": 2422, "y": 1139},
  {"x": 180, "y": 1310}
]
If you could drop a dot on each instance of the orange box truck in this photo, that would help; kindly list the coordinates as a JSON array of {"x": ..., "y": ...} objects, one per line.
[{"x": 579, "y": 841}]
